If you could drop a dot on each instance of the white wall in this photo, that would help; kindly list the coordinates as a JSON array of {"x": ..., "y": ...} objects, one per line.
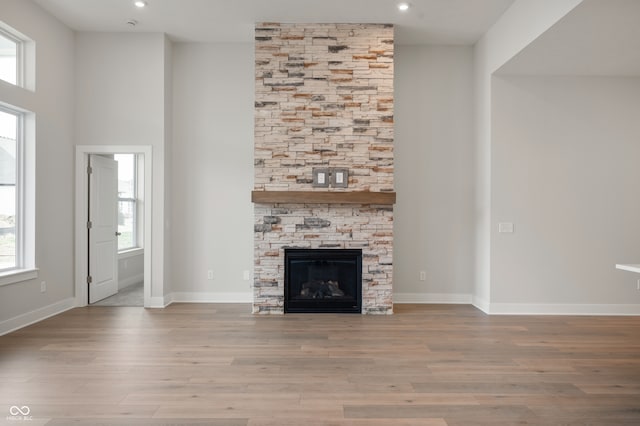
[
  {"x": 522, "y": 23},
  {"x": 120, "y": 100},
  {"x": 434, "y": 174},
  {"x": 52, "y": 102},
  {"x": 130, "y": 270},
  {"x": 565, "y": 170},
  {"x": 212, "y": 171}
]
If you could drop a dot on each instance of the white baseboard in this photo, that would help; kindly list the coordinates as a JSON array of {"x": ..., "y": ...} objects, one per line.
[
  {"x": 562, "y": 309},
  {"x": 184, "y": 297},
  {"x": 518, "y": 308},
  {"x": 425, "y": 298},
  {"x": 127, "y": 282},
  {"x": 448, "y": 298},
  {"x": 480, "y": 303},
  {"x": 159, "y": 302},
  {"x": 16, "y": 323}
]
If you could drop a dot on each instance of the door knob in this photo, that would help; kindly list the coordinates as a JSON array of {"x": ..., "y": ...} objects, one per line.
[{"x": 118, "y": 233}]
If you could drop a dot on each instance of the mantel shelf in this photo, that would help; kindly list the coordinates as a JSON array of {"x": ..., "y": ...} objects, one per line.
[{"x": 322, "y": 197}]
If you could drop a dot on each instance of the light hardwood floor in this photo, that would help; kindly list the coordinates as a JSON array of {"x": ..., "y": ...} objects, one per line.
[{"x": 219, "y": 365}]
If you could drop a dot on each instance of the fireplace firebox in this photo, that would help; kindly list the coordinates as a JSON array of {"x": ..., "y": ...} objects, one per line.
[{"x": 323, "y": 280}]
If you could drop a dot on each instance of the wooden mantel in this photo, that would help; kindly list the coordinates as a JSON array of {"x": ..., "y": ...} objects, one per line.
[{"x": 323, "y": 197}]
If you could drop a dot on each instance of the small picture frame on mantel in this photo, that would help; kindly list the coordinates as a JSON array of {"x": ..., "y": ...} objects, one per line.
[
  {"x": 339, "y": 178},
  {"x": 321, "y": 178}
]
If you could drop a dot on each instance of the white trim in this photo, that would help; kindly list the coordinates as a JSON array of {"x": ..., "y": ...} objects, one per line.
[
  {"x": 448, "y": 298},
  {"x": 82, "y": 188},
  {"x": 563, "y": 309},
  {"x": 29, "y": 193},
  {"x": 127, "y": 254},
  {"x": 25, "y": 169},
  {"x": 158, "y": 302},
  {"x": 481, "y": 304},
  {"x": 17, "y": 275},
  {"x": 16, "y": 323},
  {"x": 212, "y": 297}
]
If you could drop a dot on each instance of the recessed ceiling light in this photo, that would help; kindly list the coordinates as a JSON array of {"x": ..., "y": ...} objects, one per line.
[
  {"x": 140, "y": 3},
  {"x": 403, "y": 7}
]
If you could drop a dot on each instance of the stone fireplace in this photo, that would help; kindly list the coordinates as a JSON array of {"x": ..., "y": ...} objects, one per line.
[{"x": 324, "y": 100}]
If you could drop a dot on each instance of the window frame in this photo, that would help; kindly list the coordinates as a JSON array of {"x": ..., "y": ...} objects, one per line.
[
  {"x": 24, "y": 268},
  {"x": 20, "y": 55},
  {"x": 135, "y": 200},
  {"x": 18, "y": 188},
  {"x": 25, "y": 210}
]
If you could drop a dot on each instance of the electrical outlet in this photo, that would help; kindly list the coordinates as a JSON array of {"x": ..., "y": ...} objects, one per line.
[
  {"x": 638, "y": 285},
  {"x": 126, "y": 263},
  {"x": 423, "y": 275},
  {"x": 505, "y": 228},
  {"x": 246, "y": 275},
  {"x": 209, "y": 274},
  {"x": 43, "y": 286}
]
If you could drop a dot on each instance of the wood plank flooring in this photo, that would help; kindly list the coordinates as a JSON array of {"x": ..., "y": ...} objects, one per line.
[{"x": 198, "y": 364}]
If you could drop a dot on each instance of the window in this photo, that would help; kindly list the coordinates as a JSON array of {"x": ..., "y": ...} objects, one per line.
[
  {"x": 127, "y": 201},
  {"x": 10, "y": 190},
  {"x": 10, "y": 58},
  {"x": 17, "y": 162}
]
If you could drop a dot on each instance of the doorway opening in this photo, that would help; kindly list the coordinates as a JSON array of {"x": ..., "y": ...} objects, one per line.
[{"x": 113, "y": 225}]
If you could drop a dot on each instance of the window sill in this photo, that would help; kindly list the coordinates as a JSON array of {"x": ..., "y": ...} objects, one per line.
[
  {"x": 130, "y": 253},
  {"x": 17, "y": 275}
]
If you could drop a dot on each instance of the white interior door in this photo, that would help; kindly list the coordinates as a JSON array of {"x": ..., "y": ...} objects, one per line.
[{"x": 103, "y": 226}]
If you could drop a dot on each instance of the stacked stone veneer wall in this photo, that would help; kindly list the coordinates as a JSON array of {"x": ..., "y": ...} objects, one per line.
[{"x": 324, "y": 98}]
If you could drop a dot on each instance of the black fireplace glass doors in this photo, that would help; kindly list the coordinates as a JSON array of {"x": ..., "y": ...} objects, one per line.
[{"x": 323, "y": 280}]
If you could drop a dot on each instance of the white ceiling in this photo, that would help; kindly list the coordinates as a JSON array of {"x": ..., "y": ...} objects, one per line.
[
  {"x": 457, "y": 22},
  {"x": 597, "y": 38}
]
